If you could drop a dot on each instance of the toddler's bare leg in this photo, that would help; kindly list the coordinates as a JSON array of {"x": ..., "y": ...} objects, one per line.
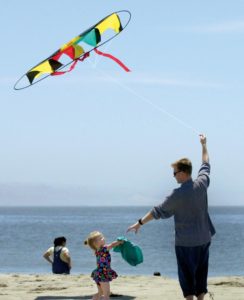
[
  {"x": 105, "y": 286},
  {"x": 98, "y": 295}
]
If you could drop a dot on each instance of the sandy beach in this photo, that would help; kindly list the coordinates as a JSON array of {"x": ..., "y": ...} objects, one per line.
[{"x": 44, "y": 287}]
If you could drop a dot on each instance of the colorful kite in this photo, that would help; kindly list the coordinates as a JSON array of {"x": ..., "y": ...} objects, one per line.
[{"x": 74, "y": 50}]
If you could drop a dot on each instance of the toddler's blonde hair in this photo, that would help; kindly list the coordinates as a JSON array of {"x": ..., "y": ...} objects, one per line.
[{"x": 91, "y": 239}]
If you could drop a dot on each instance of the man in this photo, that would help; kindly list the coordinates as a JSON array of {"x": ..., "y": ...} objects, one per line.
[
  {"x": 193, "y": 227},
  {"x": 59, "y": 256}
]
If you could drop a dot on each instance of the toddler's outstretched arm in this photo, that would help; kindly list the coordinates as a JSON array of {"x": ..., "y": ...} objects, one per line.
[{"x": 114, "y": 244}]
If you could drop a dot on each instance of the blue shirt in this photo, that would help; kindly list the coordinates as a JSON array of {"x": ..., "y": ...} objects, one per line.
[{"x": 188, "y": 205}]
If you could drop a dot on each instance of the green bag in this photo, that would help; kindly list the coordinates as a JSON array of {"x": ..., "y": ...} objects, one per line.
[{"x": 129, "y": 251}]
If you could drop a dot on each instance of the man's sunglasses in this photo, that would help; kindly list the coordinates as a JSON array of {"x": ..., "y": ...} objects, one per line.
[{"x": 176, "y": 172}]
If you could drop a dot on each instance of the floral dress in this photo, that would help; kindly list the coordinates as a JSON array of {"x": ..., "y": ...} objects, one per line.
[{"x": 103, "y": 272}]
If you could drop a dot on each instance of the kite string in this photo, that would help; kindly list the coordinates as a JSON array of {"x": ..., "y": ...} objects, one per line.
[{"x": 146, "y": 100}]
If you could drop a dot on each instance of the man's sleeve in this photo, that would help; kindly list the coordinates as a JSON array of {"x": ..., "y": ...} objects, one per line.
[
  {"x": 166, "y": 209},
  {"x": 203, "y": 175}
]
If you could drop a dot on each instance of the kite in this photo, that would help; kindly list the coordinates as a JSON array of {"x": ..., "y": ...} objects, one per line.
[{"x": 78, "y": 49}]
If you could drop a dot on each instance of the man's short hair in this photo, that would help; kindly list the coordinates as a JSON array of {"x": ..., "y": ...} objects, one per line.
[
  {"x": 59, "y": 241},
  {"x": 183, "y": 165}
]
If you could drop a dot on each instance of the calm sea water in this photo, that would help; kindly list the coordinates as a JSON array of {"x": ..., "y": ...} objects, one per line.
[{"x": 27, "y": 232}]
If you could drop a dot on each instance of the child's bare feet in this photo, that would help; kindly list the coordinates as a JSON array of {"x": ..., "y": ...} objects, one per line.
[{"x": 96, "y": 296}]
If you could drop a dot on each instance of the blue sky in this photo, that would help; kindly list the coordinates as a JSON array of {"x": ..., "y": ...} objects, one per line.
[{"x": 99, "y": 135}]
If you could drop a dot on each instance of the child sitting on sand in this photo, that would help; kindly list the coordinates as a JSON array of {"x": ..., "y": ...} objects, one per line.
[{"x": 103, "y": 274}]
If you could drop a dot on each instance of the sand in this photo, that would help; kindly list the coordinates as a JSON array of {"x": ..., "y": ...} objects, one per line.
[{"x": 73, "y": 287}]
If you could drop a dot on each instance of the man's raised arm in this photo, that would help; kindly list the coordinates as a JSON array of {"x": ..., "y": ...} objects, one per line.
[{"x": 205, "y": 156}]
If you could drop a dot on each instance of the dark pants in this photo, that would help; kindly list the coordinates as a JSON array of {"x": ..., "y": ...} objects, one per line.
[{"x": 193, "y": 269}]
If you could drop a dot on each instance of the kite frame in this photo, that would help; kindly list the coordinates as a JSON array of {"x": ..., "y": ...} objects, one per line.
[{"x": 78, "y": 58}]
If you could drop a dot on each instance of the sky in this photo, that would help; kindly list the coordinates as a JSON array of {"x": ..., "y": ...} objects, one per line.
[{"x": 102, "y": 136}]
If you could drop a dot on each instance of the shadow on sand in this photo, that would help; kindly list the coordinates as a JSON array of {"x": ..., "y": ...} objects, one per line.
[{"x": 118, "y": 297}]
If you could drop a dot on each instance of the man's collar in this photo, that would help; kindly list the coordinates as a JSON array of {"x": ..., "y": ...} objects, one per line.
[{"x": 188, "y": 181}]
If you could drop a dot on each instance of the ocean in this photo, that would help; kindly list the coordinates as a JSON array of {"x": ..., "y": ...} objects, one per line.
[{"x": 26, "y": 232}]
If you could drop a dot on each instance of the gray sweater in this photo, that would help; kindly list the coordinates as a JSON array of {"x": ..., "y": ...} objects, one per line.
[{"x": 189, "y": 206}]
